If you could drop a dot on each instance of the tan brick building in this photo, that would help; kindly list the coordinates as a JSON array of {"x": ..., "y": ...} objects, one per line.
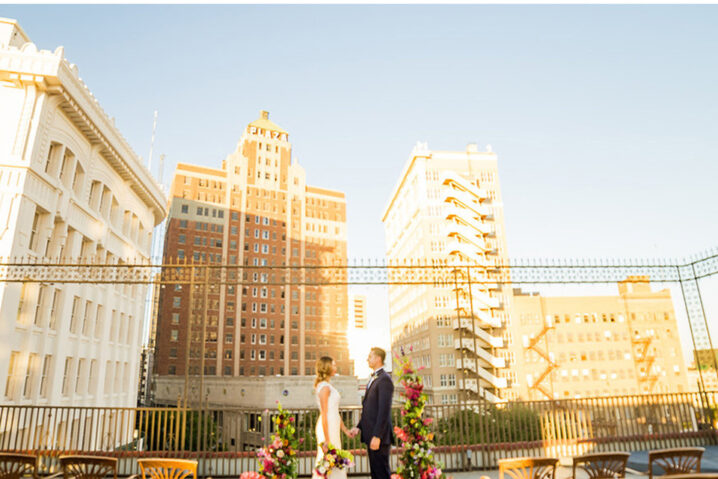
[
  {"x": 256, "y": 210},
  {"x": 583, "y": 346}
]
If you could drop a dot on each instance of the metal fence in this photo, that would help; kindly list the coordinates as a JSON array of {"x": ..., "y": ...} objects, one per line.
[{"x": 468, "y": 436}]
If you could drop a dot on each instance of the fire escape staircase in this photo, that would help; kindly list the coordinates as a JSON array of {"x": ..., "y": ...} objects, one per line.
[
  {"x": 646, "y": 360},
  {"x": 532, "y": 344}
]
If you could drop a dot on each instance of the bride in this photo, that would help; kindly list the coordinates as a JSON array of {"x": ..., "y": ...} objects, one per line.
[{"x": 330, "y": 422}]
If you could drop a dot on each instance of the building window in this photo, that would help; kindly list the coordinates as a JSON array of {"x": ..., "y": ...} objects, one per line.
[
  {"x": 47, "y": 362},
  {"x": 11, "y": 374},
  {"x": 66, "y": 376}
]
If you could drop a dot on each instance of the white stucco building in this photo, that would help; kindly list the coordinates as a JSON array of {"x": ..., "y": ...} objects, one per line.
[{"x": 70, "y": 187}]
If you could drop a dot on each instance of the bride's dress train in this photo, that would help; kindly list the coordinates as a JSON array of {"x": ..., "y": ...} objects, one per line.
[{"x": 334, "y": 420}]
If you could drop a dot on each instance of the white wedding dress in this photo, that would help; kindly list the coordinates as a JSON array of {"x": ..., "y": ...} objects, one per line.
[{"x": 334, "y": 421}]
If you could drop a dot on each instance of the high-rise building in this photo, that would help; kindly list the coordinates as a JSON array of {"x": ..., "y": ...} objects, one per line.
[
  {"x": 71, "y": 189},
  {"x": 583, "y": 346},
  {"x": 447, "y": 208},
  {"x": 255, "y": 211}
]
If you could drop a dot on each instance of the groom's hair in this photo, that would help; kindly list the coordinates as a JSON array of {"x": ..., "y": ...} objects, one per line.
[{"x": 379, "y": 352}]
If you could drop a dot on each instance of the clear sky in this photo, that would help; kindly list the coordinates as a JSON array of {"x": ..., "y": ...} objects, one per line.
[{"x": 604, "y": 118}]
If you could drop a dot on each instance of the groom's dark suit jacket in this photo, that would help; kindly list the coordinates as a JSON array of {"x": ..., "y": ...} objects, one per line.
[{"x": 376, "y": 410}]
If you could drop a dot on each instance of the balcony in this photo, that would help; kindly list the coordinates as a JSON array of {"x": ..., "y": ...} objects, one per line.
[
  {"x": 481, "y": 297},
  {"x": 475, "y": 328},
  {"x": 468, "y": 253},
  {"x": 467, "y": 201},
  {"x": 466, "y": 217},
  {"x": 454, "y": 180},
  {"x": 467, "y": 235},
  {"x": 470, "y": 364},
  {"x": 484, "y": 316},
  {"x": 489, "y": 396},
  {"x": 481, "y": 353}
]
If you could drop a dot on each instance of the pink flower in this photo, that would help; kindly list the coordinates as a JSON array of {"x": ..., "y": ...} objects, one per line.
[{"x": 428, "y": 421}]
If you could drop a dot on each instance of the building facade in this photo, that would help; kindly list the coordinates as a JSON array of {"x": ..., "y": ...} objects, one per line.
[
  {"x": 357, "y": 311},
  {"x": 256, "y": 211},
  {"x": 72, "y": 190},
  {"x": 447, "y": 209},
  {"x": 584, "y": 346}
]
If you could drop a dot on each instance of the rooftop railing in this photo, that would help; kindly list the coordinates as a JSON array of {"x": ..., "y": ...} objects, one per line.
[{"x": 467, "y": 435}]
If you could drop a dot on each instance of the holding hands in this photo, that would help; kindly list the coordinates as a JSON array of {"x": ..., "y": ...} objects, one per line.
[{"x": 352, "y": 432}]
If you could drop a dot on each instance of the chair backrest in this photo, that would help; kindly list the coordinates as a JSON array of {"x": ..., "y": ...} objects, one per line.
[
  {"x": 604, "y": 465},
  {"x": 528, "y": 468},
  {"x": 680, "y": 460},
  {"x": 15, "y": 466},
  {"x": 167, "y": 468},
  {"x": 88, "y": 467}
]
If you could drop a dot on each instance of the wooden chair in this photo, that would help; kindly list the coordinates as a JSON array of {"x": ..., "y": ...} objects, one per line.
[
  {"x": 528, "y": 468},
  {"x": 604, "y": 465},
  {"x": 680, "y": 460},
  {"x": 15, "y": 466},
  {"x": 87, "y": 467},
  {"x": 167, "y": 468}
]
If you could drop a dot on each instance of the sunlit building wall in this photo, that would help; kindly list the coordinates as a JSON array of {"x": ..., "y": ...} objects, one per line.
[
  {"x": 70, "y": 188},
  {"x": 585, "y": 346},
  {"x": 446, "y": 208},
  {"x": 357, "y": 311}
]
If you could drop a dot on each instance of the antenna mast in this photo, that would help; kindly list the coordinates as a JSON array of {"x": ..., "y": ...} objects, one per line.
[{"x": 162, "y": 169}]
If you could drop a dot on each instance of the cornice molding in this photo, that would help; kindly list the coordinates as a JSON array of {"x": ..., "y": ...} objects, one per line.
[{"x": 51, "y": 73}]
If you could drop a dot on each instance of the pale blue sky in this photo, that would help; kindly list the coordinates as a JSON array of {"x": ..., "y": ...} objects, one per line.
[{"x": 604, "y": 118}]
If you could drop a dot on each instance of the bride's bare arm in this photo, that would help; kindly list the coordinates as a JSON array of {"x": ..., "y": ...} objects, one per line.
[
  {"x": 324, "y": 405},
  {"x": 345, "y": 430}
]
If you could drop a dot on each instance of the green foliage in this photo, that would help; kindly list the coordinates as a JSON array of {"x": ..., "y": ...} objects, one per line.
[
  {"x": 491, "y": 424},
  {"x": 190, "y": 430}
]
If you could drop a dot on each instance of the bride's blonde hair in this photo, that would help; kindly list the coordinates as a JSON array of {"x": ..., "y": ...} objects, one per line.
[{"x": 323, "y": 368}]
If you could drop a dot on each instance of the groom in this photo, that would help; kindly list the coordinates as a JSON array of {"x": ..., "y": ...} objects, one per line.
[{"x": 375, "y": 423}]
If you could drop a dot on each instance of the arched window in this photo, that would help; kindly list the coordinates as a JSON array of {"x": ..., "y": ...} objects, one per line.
[
  {"x": 78, "y": 179},
  {"x": 96, "y": 196}
]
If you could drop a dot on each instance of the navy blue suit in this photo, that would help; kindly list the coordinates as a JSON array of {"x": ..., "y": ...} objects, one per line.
[{"x": 376, "y": 422}]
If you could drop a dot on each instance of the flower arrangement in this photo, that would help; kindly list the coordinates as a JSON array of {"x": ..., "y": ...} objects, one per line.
[
  {"x": 278, "y": 460},
  {"x": 251, "y": 475},
  {"x": 334, "y": 458},
  {"x": 417, "y": 459}
]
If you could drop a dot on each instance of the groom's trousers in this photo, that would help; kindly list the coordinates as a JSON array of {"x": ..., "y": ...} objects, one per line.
[{"x": 379, "y": 462}]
